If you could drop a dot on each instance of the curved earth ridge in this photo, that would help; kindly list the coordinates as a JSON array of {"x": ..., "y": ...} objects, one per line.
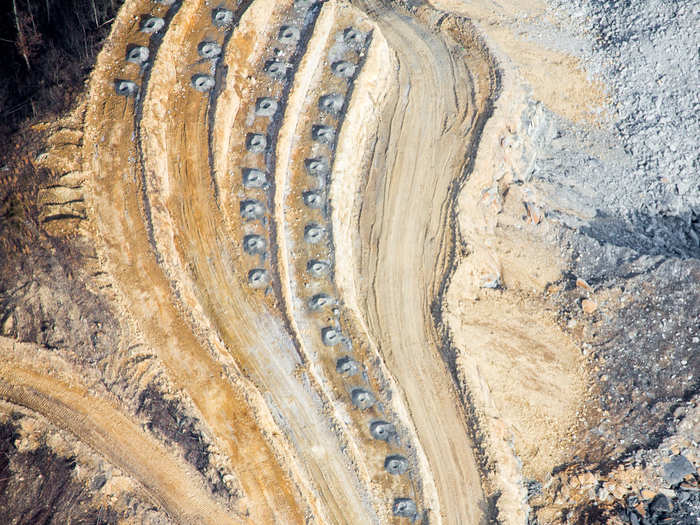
[
  {"x": 240, "y": 329},
  {"x": 117, "y": 207},
  {"x": 260, "y": 344},
  {"x": 421, "y": 157},
  {"x": 224, "y": 294}
]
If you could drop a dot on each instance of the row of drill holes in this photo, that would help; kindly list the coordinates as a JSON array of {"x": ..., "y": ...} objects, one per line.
[
  {"x": 254, "y": 244},
  {"x": 257, "y": 143},
  {"x": 332, "y": 103},
  {"x": 251, "y": 209},
  {"x": 139, "y": 55}
]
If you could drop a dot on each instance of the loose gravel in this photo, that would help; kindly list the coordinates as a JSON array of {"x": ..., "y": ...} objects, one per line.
[{"x": 640, "y": 173}]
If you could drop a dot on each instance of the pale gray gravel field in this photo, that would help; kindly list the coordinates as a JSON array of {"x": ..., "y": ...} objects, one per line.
[
  {"x": 625, "y": 202},
  {"x": 641, "y": 171}
]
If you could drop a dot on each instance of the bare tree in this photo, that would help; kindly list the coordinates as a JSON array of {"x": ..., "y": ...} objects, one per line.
[{"x": 21, "y": 39}]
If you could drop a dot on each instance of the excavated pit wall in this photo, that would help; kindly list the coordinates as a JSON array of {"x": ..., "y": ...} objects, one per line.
[
  {"x": 162, "y": 223},
  {"x": 212, "y": 394}
]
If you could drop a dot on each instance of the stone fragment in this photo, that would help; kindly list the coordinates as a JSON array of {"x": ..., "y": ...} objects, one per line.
[
  {"x": 676, "y": 469},
  {"x": 589, "y": 306},
  {"x": 660, "y": 505},
  {"x": 580, "y": 283}
]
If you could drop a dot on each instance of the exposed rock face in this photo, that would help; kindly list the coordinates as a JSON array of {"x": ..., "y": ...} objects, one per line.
[{"x": 359, "y": 262}]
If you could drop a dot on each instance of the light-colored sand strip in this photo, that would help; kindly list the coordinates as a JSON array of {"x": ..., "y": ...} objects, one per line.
[
  {"x": 404, "y": 237},
  {"x": 372, "y": 89}
]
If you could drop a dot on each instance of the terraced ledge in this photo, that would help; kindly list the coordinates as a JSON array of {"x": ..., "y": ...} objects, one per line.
[
  {"x": 372, "y": 90},
  {"x": 335, "y": 350},
  {"x": 428, "y": 132},
  {"x": 247, "y": 168},
  {"x": 117, "y": 206}
]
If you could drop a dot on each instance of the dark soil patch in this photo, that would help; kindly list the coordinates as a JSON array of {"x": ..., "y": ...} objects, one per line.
[
  {"x": 37, "y": 488},
  {"x": 644, "y": 347},
  {"x": 167, "y": 419},
  {"x": 48, "y": 49}
]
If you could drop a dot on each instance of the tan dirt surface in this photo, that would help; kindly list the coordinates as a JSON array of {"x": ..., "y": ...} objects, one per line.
[
  {"x": 405, "y": 254},
  {"x": 116, "y": 203}
]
